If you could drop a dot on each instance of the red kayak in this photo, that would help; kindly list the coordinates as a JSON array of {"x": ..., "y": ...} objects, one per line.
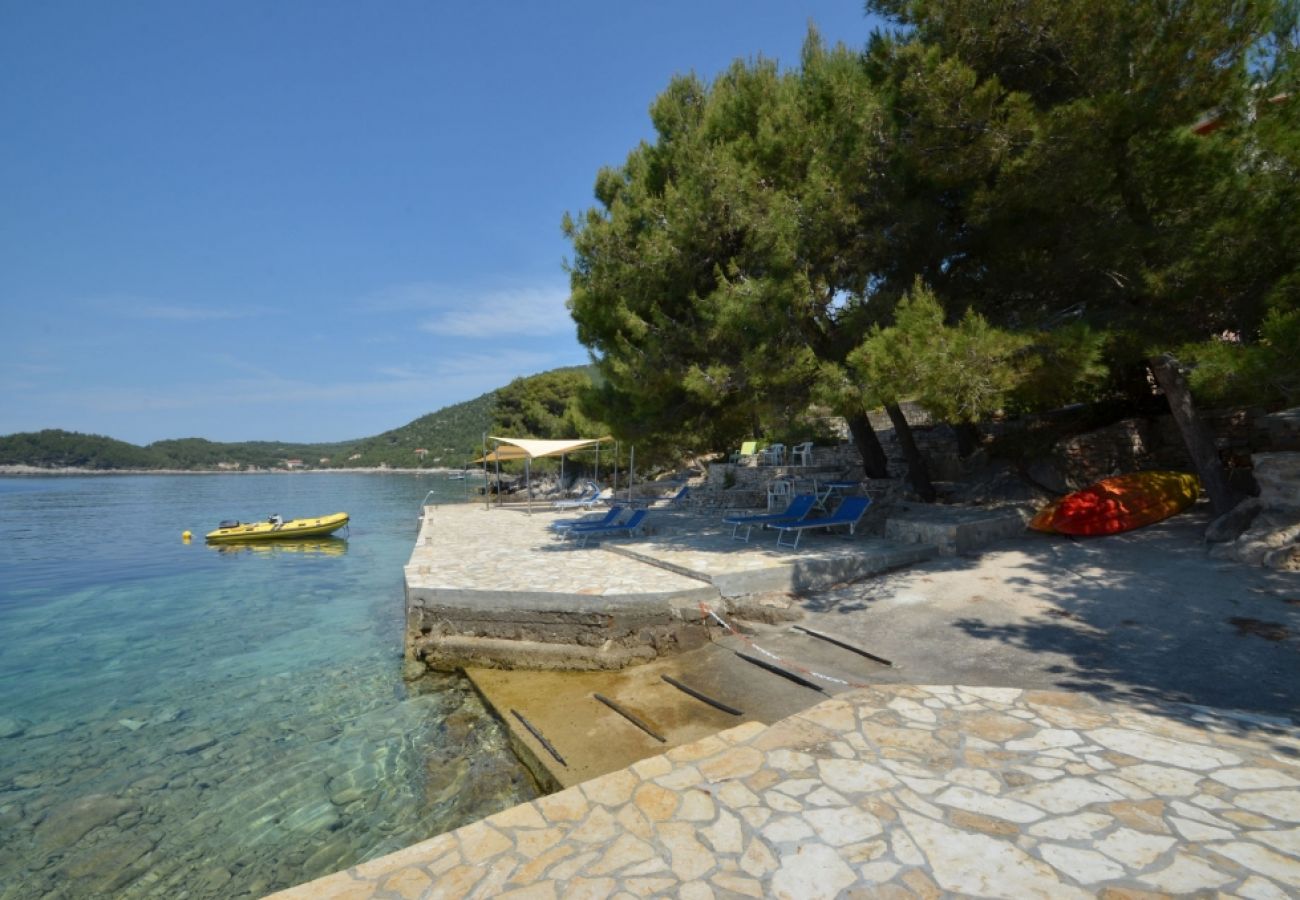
[{"x": 1118, "y": 504}]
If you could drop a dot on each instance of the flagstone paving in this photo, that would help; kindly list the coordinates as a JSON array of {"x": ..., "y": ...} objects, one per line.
[
  {"x": 900, "y": 791},
  {"x": 464, "y": 547}
]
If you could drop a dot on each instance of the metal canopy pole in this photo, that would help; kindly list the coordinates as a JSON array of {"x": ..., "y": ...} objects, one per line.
[
  {"x": 528, "y": 481},
  {"x": 631, "y": 472},
  {"x": 487, "y": 496},
  {"x": 497, "y": 452}
]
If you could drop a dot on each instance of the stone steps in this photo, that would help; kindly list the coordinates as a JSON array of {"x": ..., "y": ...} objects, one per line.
[{"x": 954, "y": 530}]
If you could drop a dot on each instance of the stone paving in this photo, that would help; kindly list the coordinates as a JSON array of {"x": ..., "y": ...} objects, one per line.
[
  {"x": 900, "y": 791},
  {"x": 462, "y": 546}
]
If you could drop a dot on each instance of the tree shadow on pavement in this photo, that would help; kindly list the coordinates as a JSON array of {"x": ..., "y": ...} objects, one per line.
[{"x": 1145, "y": 618}]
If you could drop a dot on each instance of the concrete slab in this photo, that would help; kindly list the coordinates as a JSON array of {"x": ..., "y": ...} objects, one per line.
[
  {"x": 592, "y": 739},
  {"x": 954, "y": 530},
  {"x": 1146, "y": 616},
  {"x": 495, "y": 587},
  {"x": 466, "y": 550},
  {"x": 736, "y": 568}
]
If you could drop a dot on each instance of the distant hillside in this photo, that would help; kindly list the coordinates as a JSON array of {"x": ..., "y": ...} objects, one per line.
[
  {"x": 199, "y": 453},
  {"x": 449, "y": 437},
  {"x": 57, "y": 449},
  {"x": 453, "y": 435}
]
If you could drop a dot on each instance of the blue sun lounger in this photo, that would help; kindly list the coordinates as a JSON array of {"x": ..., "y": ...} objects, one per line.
[
  {"x": 677, "y": 499},
  {"x": 849, "y": 513},
  {"x": 585, "y": 533},
  {"x": 587, "y": 500},
  {"x": 800, "y": 506},
  {"x": 563, "y": 526}
]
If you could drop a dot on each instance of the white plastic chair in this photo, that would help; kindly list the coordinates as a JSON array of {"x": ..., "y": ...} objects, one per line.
[
  {"x": 801, "y": 455},
  {"x": 774, "y": 455},
  {"x": 778, "y": 492}
]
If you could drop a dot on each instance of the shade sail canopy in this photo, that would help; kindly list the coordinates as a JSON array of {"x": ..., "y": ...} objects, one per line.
[
  {"x": 503, "y": 454},
  {"x": 534, "y": 448}
]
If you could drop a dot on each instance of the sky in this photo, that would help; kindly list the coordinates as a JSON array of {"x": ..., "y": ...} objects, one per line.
[{"x": 312, "y": 220}]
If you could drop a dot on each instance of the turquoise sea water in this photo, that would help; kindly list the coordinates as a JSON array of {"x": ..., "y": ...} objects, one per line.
[{"x": 178, "y": 720}]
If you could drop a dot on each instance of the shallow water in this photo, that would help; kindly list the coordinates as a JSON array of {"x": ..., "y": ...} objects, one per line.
[{"x": 178, "y": 720}]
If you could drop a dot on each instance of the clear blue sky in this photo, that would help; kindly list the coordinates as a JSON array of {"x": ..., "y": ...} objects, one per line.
[{"x": 315, "y": 221}]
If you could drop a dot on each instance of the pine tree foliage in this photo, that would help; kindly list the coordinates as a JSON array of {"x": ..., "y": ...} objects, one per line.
[
  {"x": 718, "y": 274},
  {"x": 1048, "y": 149},
  {"x": 548, "y": 405},
  {"x": 962, "y": 372}
]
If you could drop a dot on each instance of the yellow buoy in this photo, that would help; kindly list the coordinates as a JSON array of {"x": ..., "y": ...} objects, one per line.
[{"x": 185, "y": 536}]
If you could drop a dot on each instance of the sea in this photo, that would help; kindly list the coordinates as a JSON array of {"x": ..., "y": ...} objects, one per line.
[{"x": 186, "y": 720}]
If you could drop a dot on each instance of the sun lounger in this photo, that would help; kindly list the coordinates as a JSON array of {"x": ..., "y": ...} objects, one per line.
[
  {"x": 585, "y": 533},
  {"x": 586, "y": 501},
  {"x": 849, "y": 513},
  {"x": 677, "y": 499},
  {"x": 748, "y": 450},
  {"x": 609, "y": 518},
  {"x": 799, "y": 507}
]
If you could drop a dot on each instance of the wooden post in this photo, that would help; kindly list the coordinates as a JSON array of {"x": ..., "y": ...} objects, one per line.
[{"x": 1196, "y": 435}]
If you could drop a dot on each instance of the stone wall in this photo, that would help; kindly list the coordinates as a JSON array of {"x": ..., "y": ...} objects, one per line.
[
  {"x": 1145, "y": 443},
  {"x": 1278, "y": 431},
  {"x": 451, "y": 638},
  {"x": 1075, "y": 462}
]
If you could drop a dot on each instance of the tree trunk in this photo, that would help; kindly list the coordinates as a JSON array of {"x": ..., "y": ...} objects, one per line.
[
  {"x": 1200, "y": 443},
  {"x": 968, "y": 438},
  {"x": 874, "y": 462},
  {"x": 918, "y": 473}
]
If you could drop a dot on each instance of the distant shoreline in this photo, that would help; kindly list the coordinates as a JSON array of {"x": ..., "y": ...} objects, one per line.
[{"x": 73, "y": 470}]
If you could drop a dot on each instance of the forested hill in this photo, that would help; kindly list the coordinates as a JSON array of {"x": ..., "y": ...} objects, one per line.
[{"x": 449, "y": 437}]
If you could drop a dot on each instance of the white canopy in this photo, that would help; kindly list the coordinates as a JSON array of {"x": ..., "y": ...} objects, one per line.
[
  {"x": 529, "y": 449},
  {"x": 503, "y": 454},
  {"x": 533, "y": 448}
]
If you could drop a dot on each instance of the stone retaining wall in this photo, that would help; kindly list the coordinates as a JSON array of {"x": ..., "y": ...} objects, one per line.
[{"x": 448, "y": 638}]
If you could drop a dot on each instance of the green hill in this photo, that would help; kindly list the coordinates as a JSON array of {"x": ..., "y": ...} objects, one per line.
[
  {"x": 449, "y": 437},
  {"x": 55, "y": 449}
]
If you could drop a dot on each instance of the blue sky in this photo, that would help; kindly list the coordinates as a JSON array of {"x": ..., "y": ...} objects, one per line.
[{"x": 315, "y": 221}]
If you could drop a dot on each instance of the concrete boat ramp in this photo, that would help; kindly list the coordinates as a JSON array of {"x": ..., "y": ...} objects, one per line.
[{"x": 542, "y": 626}]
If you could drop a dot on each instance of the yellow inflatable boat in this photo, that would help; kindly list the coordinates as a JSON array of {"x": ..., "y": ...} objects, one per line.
[{"x": 275, "y": 528}]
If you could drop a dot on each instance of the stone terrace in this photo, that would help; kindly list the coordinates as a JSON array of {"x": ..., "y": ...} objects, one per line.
[
  {"x": 494, "y": 587},
  {"x": 899, "y": 791}
]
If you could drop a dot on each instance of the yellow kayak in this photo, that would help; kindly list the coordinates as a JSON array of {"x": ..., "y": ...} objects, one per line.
[{"x": 272, "y": 530}]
